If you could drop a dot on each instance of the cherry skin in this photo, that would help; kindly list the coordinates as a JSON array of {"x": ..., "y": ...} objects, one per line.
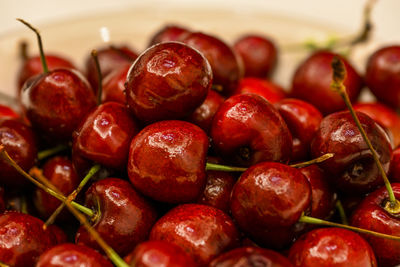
[
  {"x": 383, "y": 75},
  {"x": 8, "y": 113},
  {"x": 303, "y": 120},
  {"x": 204, "y": 114},
  {"x": 105, "y": 134},
  {"x": 352, "y": 168},
  {"x": 167, "y": 161},
  {"x": 56, "y": 102},
  {"x": 72, "y": 255},
  {"x": 226, "y": 66},
  {"x": 22, "y": 239},
  {"x": 114, "y": 85},
  {"x": 158, "y": 253},
  {"x": 60, "y": 172},
  {"x": 251, "y": 256},
  {"x": 312, "y": 80},
  {"x": 247, "y": 129},
  {"x": 371, "y": 215},
  {"x": 269, "y": 198},
  {"x": 259, "y": 55},
  {"x": 167, "y": 81},
  {"x": 333, "y": 247},
  {"x": 394, "y": 173},
  {"x": 126, "y": 217},
  {"x": 169, "y": 33},
  {"x": 201, "y": 231},
  {"x": 267, "y": 89},
  {"x": 19, "y": 142},
  {"x": 384, "y": 116}
]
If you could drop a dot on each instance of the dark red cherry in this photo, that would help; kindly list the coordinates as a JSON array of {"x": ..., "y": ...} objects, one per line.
[
  {"x": 250, "y": 256},
  {"x": 259, "y": 55},
  {"x": 169, "y": 33},
  {"x": 204, "y": 114},
  {"x": 312, "y": 80},
  {"x": 110, "y": 58},
  {"x": 384, "y": 116},
  {"x": 22, "y": 239},
  {"x": 167, "y": 161},
  {"x": 60, "y": 172},
  {"x": 201, "y": 231},
  {"x": 269, "y": 198},
  {"x": 59, "y": 236},
  {"x": 217, "y": 192},
  {"x": 383, "y": 75},
  {"x": 19, "y": 142},
  {"x": 7, "y": 112},
  {"x": 56, "y": 102},
  {"x": 332, "y": 247},
  {"x": 352, "y": 168},
  {"x": 125, "y": 216},
  {"x": 114, "y": 85},
  {"x": 303, "y": 121},
  {"x": 247, "y": 129},
  {"x": 65, "y": 255},
  {"x": 371, "y": 215},
  {"x": 159, "y": 253},
  {"x": 394, "y": 173},
  {"x": 168, "y": 81},
  {"x": 267, "y": 89},
  {"x": 105, "y": 134},
  {"x": 226, "y": 65}
]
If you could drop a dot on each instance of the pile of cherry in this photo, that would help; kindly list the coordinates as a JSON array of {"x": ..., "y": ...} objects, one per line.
[{"x": 156, "y": 137}]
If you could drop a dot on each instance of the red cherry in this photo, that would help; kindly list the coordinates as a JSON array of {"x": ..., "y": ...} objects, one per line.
[
  {"x": 59, "y": 236},
  {"x": 7, "y": 112},
  {"x": 72, "y": 255},
  {"x": 247, "y": 129},
  {"x": 201, "y": 231},
  {"x": 383, "y": 75},
  {"x": 395, "y": 166},
  {"x": 332, "y": 247},
  {"x": 267, "y": 89},
  {"x": 169, "y": 33},
  {"x": 167, "y": 161},
  {"x": 168, "y": 81},
  {"x": 259, "y": 55},
  {"x": 114, "y": 85},
  {"x": 313, "y": 78}
]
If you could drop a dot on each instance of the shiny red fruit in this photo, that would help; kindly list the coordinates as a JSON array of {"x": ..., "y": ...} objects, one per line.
[
  {"x": 267, "y": 89},
  {"x": 169, "y": 33},
  {"x": 114, "y": 85},
  {"x": 394, "y": 173},
  {"x": 7, "y": 113}
]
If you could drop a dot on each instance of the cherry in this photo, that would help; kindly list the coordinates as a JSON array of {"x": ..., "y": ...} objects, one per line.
[
  {"x": 332, "y": 247},
  {"x": 167, "y": 161},
  {"x": 7, "y": 112},
  {"x": 372, "y": 214},
  {"x": 247, "y": 129},
  {"x": 226, "y": 65},
  {"x": 259, "y": 55},
  {"x": 395, "y": 166},
  {"x": 59, "y": 236},
  {"x": 384, "y": 116},
  {"x": 251, "y": 256},
  {"x": 125, "y": 217},
  {"x": 22, "y": 239},
  {"x": 114, "y": 85},
  {"x": 204, "y": 114},
  {"x": 312, "y": 79},
  {"x": 72, "y": 255},
  {"x": 269, "y": 199},
  {"x": 168, "y": 81},
  {"x": 105, "y": 134},
  {"x": 383, "y": 75},
  {"x": 19, "y": 141},
  {"x": 169, "y": 33},
  {"x": 201, "y": 231},
  {"x": 352, "y": 169},
  {"x": 60, "y": 172},
  {"x": 267, "y": 89},
  {"x": 158, "y": 253},
  {"x": 303, "y": 121}
]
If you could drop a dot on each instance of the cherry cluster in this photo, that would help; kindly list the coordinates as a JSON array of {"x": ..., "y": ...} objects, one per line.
[{"x": 190, "y": 155}]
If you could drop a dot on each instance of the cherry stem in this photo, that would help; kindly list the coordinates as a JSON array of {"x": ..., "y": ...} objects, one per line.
[
  {"x": 217, "y": 87},
  {"x": 3, "y": 264},
  {"x": 23, "y": 50},
  {"x": 312, "y": 220},
  {"x": 225, "y": 168},
  {"x": 339, "y": 75},
  {"x": 39, "y": 38},
  {"x": 51, "y": 151},
  {"x": 342, "y": 213},
  {"x": 99, "y": 76},
  {"x": 73, "y": 195}
]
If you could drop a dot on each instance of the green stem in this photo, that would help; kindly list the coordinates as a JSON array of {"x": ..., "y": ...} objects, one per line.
[
  {"x": 342, "y": 213},
  {"x": 99, "y": 76},
  {"x": 39, "y": 38},
  {"x": 51, "y": 151},
  {"x": 224, "y": 168},
  {"x": 313, "y": 161}
]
